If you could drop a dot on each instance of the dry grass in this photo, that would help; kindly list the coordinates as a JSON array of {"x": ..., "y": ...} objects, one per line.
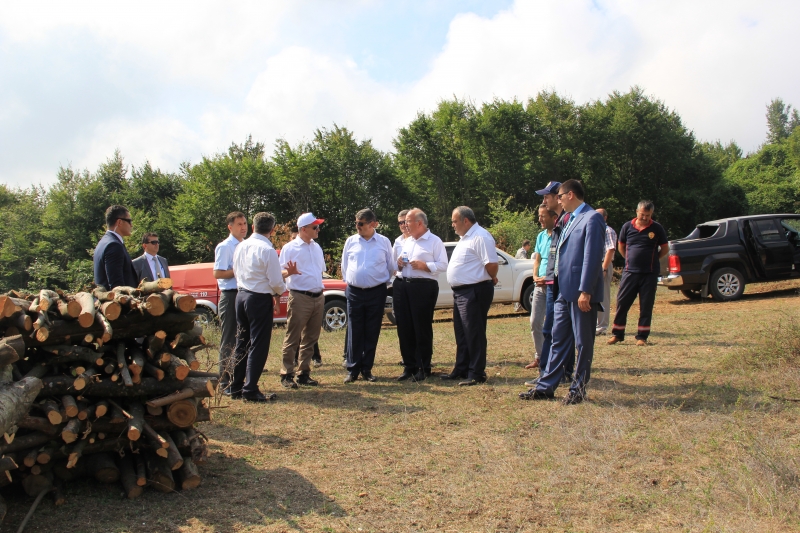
[{"x": 689, "y": 434}]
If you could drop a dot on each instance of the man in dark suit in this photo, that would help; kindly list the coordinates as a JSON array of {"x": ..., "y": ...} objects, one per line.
[
  {"x": 150, "y": 266},
  {"x": 112, "y": 263},
  {"x": 579, "y": 282}
]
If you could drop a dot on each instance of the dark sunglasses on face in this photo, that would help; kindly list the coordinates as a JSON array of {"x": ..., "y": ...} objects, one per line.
[
  {"x": 128, "y": 220},
  {"x": 153, "y": 242},
  {"x": 314, "y": 228},
  {"x": 401, "y": 222},
  {"x": 359, "y": 224}
]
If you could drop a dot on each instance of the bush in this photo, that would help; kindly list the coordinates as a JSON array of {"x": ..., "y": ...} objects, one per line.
[{"x": 510, "y": 228}]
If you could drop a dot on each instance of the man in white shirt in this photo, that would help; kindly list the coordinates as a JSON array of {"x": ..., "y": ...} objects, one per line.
[
  {"x": 472, "y": 273},
  {"x": 420, "y": 261},
  {"x": 150, "y": 266},
  {"x": 367, "y": 266},
  {"x": 396, "y": 249},
  {"x": 306, "y": 303},
  {"x": 226, "y": 306},
  {"x": 260, "y": 284}
]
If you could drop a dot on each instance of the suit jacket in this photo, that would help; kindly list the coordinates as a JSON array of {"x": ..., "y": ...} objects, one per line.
[
  {"x": 580, "y": 261},
  {"x": 112, "y": 264},
  {"x": 143, "y": 271}
]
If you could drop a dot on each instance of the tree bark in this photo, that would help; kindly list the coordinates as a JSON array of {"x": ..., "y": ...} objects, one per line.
[
  {"x": 70, "y": 406},
  {"x": 16, "y": 400},
  {"x": 166, "y": 400},
  {"x": 86, "y": 316},
  {"x": 127, "y": 475},
  {"x": 12, "y": 349},
  {"x": 183, "y": 413},
  {"x": 102, "y": 467},
  {"x": 149, "y": 387},
  {"x": 159, "y": 473}
]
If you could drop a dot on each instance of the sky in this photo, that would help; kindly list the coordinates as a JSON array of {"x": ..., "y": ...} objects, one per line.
[{"x": 172, "y": 82}]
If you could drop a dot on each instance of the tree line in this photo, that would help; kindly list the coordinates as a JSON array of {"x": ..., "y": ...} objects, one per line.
[{"x": 491, "y": 157}]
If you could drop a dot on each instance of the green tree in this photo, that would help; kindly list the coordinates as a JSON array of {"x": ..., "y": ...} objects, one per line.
[
  {"x": 769, "y": 178},
  {"x": 510, "y": 228},
  {"x": 781, "y": 120}
]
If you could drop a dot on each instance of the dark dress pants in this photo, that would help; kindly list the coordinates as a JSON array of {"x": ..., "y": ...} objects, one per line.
[
  {"x": 414, "y": 301},
  {"x": 253, "y": 335},
  {"x": 547, "y": 332},
  {"x": 364, "y": 317},
  {"x": 226, "y": 310},
  {"x": 571, "y": 328},
  {"x": 631, "y": 285},
  {"x": 470, "y": 308}
]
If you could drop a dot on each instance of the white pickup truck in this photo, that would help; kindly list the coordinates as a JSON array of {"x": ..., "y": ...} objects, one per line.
[{"x": 514, "y": 282}]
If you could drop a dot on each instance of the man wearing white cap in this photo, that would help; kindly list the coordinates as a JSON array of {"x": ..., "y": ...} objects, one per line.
[{"x": 306, "y": 303}]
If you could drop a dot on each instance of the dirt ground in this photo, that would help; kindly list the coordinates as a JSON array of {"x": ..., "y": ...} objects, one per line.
[{"x": 696, "y": 432}]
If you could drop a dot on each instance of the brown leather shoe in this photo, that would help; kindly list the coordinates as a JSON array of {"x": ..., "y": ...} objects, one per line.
[
  {"x": 640, "y": 342},
  {"x": 535, "y": 364},
  {"x": 613, "y": 340}
]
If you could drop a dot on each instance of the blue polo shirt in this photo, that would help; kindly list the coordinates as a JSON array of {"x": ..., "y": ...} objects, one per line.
[
  {"x": 641, "y": 254},
  {"x": 543, "y": 249}
]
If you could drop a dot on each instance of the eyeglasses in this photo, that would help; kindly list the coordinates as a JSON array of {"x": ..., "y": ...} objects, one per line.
[
  {"x": 314, "y": 228},
  {"x": 359, "y": 224},
  {"x": 562, "y": 194},
  {"x": 152, "y": 242},
  {"x": 128, "y": 220},
  {"x": 401, "y": 222}
]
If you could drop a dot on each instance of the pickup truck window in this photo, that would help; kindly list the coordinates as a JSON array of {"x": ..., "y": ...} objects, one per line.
[
  {"x": 704, "y": 231},
  {"x": 769, "y": 231}
]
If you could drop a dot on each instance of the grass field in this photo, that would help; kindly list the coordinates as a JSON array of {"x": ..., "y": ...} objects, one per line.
[{"x": 696, "y": 432}]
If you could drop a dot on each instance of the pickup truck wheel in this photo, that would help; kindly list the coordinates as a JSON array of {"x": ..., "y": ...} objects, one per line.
[
  {"x": 335, "y": 316},
  {"x": 726, "y": 284},
  {"x": 206, "y": 317},
  {"x": 692, "y": 295},
  {"x": 527, "y": 297}
]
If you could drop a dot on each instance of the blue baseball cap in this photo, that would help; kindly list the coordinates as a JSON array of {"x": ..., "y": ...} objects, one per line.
[{"x": 550, "y": 188}]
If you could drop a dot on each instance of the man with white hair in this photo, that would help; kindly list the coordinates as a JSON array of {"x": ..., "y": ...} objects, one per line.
[{"x": 306, "y": 304}]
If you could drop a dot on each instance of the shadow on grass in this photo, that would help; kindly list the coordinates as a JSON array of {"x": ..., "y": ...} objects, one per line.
[
  {"x": 755, "y": 296},
  {"x": 711, "y": 397}
]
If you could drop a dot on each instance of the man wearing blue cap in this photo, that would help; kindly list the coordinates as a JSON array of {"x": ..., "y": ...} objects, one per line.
[{"x": 550, "y": 199}]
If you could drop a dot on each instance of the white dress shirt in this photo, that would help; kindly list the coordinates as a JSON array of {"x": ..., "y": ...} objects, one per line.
[
  {"x": 256, "y": 266},
  {"x": 156, "y": 269},
  {"x": 223, "y": 260},
  {"x": 428, "y": 248},
  {"x": 310, "y": 262},
  {"x": 397, "y": 249},
  {"x": 474, "y": 251},
  {"x": 367, "y": 263}
]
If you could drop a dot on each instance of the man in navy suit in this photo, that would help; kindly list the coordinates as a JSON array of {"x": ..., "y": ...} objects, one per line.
[
  {"x": 579, "y": 282},
  {"x": 150, "y": 266},
  {"x": 112, "y": 263}
]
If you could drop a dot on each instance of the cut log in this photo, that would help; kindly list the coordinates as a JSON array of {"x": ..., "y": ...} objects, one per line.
[
  {"x": 188, "y": 356},
  {"x": 12, "y": 331},
  {"x": 128, "y": 477},
  {"x": 180, "y": 438},
  {"x": 136, "y": 422},
  {"x": 149, "y": 387},
  {"x": 183, "y": 413},
  {"x": 111, "y": 310},
  {"x": 166, "y": 400},
  {"x": 137, "y": 361},
  {"x": 21, "y": 321},
  {"x": 103, "y": 295},
  {"x": 158, "y": 285},
  {"x": 59, "y": 498},
  {"x": 7, "y": 307},
  {"x": 123, "y": 367},
  {"x": 117, "y": 416},
  {"x": 174, "y": 458},
  {"x": 100, "y": 409},
  {"x": 75, "y": 452},
  {"x": 8, "y": 463},
  {"x": 154, "y": 411},
  {"x": 47, "y": 299},
  {"x": 155, "y": 343},
  {"x": 159, "y": 473},
  {"x": 38, "y": 423},
  {"x": 30, "y": 458},
  {"x": 85, "y": 378},
  {"x": 184, "y": 302},
  {"x": 103, "y": 322},
  {"x": 12, "y": 349},
  {"x": 153, "y": 371},
  {"x": 102, "y": 467},
  {"x": 25, "y": 442},
  {"x": 34, "y": 485},
  {"x": 157, "y": 442},
  {"x": 71, "y": 431},
  {"x": 69, "y": 309},
  {"x": 198, "y": 447},
  {"x": 85, "y": 410},
  {"x": 200, "y": 374},
  {"x": 176, "y": 368},
  {"x": 16, "y": 399},
  {"x": 37, "y": 371},
  {"x": 86, "y": 316},
  {"x": 141, "y": 470},
  {"x": 70, "y": 405},
  {"x": 46, "y": 454},
  {"x": 67, "y": 353},
  {"x": 68, "y": 474},
  {"x": 156, "y": 304}
]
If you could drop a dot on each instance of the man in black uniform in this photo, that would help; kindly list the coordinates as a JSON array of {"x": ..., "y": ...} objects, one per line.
[{"x": 642, "y": 242}]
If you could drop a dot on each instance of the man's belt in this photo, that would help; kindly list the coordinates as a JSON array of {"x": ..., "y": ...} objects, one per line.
[
  {"x": 417, "y": 280},
  {"x": 308, "y": 293},
  {"x": 467, "y": 286},
  {"x": 229, "y": 290},
  {"x": 367, "y": 288}
]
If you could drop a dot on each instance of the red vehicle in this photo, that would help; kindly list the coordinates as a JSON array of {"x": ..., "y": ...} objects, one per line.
[{"x": 198, "y": 280}]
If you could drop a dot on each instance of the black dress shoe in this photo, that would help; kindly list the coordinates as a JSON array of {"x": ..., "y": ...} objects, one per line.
[
  {"x": 573, "y": 398},
  {"x": 236, "y": 395},
  {"x": 419, "y": 376},
  {"x": 259, "y": 397},
  {"x": 453, "y": 375},
  {"x": 369, "y": 377},
  {"x": 350, "y": 377},
  {"x": 288, "y": 382},
  {"x": 534, "y": 394},
  {"x": 469, "y": 382},
  {"x": 407, "y": 374},
  {"x": 305, "y": 379}
]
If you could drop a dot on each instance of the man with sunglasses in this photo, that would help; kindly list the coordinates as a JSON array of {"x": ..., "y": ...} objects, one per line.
[
  {"x": 112, "y": 263},
  {"x": 303, "y": 263},
  {"x": 367, "y": 266},
  {"x": 150, "y": 266}
]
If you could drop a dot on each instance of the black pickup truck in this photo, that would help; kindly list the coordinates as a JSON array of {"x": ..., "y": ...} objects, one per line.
[{"x": 720, "y": 257}]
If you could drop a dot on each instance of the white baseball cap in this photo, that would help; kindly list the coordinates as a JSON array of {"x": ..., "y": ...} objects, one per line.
[{"x": 307, "y": 219}]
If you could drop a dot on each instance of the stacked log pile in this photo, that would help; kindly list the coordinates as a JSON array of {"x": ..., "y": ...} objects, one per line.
[{"x": 103, "y": 384}]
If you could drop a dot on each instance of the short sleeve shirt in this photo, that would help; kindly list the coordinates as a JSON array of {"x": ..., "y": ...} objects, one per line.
[
  {"x": 641, "y": 254},
  {"x": 543, "y": 249},
  {"x": 223, "y": 260}
]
